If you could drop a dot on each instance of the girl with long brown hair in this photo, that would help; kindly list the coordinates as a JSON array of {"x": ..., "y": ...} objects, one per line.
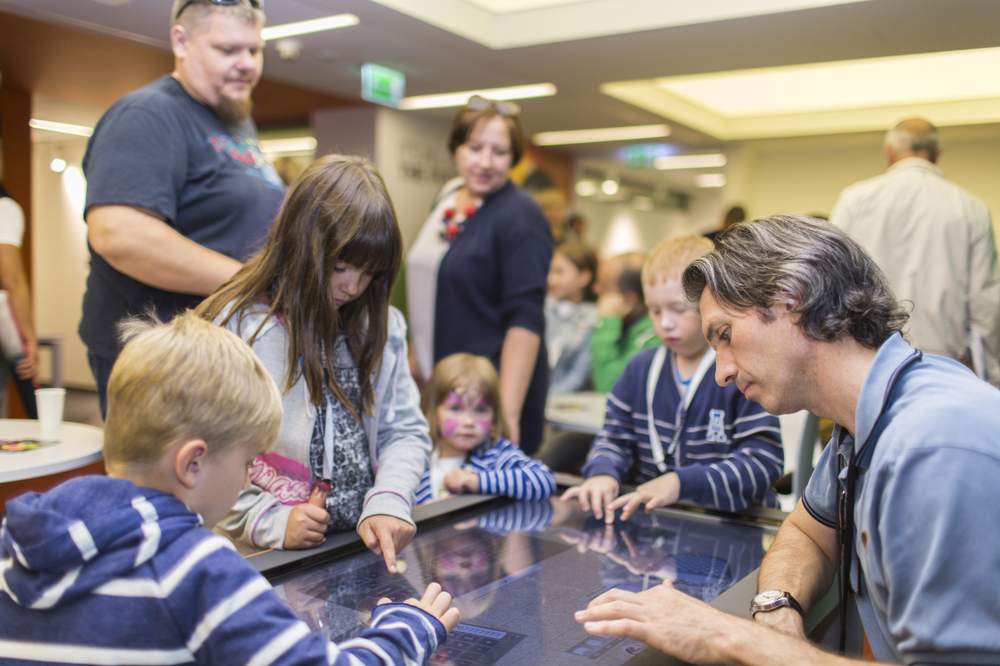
[{"x": 314, "y": 306}]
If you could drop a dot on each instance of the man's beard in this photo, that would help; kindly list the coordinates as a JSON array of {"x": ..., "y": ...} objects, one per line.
[{"x": 234, "y": 111}]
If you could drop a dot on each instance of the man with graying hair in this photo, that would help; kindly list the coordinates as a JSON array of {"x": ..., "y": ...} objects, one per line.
[
  {"x": 935, "y": 243},
  {"x": 801, "y": 318},
  {"x": 179, "y": 192}
]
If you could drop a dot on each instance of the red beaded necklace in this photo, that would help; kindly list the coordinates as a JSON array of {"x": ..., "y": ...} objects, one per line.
[{"x": 453, "y": 221}]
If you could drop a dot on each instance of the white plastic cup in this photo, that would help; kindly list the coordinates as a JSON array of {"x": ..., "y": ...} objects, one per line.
[{"x": 50, "y": 411}]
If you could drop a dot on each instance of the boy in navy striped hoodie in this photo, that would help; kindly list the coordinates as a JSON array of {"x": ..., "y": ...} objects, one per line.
[
  {"x": 462, "y": 406},
  {"x": 669, "y": 428},
  {"x": 122, "y": 570}
]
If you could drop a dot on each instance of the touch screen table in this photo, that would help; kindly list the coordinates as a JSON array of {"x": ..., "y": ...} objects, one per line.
[{"x": 518, "y": 571}]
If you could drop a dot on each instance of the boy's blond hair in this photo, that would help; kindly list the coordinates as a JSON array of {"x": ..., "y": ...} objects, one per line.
[
  {"x": 669, "y": 258},
  {"x": 186, "y": 379},
  {"x": 463, "y": 372}
]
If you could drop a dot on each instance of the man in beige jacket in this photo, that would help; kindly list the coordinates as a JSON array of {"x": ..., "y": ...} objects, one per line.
[{"x": 934, "y": 241}]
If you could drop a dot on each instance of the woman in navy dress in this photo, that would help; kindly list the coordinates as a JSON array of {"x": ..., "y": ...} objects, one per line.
[{"x": 477, "y": 272}]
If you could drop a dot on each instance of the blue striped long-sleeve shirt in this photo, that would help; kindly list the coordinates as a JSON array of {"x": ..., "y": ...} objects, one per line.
[
  {"x": 101, "y": 571},
  {"x": 503, "y": 469},
  {"x": 725, "y": 449}
]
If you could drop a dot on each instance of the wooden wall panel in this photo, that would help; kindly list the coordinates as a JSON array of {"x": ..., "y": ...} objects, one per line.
[{"x": 92, "y": 69}]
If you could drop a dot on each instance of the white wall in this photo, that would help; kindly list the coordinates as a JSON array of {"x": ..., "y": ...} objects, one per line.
[
  {"x": 59, "y": 255},
  {"x": 613, "y": 228},
  {"x": 408, "y": 150},
  {"x": 348, "y": 131},
  {"x": 412, "y": 155},
  {"x": 807, "y": 175}
]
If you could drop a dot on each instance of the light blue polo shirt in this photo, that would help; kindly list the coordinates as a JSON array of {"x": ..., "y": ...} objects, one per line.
[{"x": 927, "y": 529}]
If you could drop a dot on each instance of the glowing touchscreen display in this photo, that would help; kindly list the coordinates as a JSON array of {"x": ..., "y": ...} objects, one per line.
[{"x": 520, "y": 570}]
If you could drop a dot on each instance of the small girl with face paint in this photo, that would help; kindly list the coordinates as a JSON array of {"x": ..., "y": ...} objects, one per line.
[{"x": 462, "y": 405}]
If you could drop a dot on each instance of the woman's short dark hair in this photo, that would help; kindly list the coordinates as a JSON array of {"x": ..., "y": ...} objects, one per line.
[
  {"x": 826, "y": 278},
  {"x": 466, "y": 118}
]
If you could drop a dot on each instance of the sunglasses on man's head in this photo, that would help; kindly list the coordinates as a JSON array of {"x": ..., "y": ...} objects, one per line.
[
  {"x": 222, "y": 3},
  {"x": 505, "y": 109}
]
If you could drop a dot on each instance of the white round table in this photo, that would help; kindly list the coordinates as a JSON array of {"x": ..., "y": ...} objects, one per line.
[
  {"x": 579, "y": 412},
  {"x": 78, "y": 445}
]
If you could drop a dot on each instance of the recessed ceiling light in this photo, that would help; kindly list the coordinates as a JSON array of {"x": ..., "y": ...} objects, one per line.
[
  {"x": 444, "y": 100},
  {"x": 610, "y": 187},
  {"x": 710, "y": 180},
  {"x": 58, "y": 164},
  {"x": 600, "y": 135},
  {"x": 61, "y": 128},
  {"x": 305, "y": 27},
  {"x": 704, "y": 161}
]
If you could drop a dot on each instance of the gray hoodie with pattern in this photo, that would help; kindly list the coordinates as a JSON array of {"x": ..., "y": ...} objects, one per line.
[{"x": 396, "y": 429}]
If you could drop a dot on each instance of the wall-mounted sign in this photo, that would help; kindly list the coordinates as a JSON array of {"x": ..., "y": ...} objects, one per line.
[
  {"x": 382, "y": 85},
  {"x": 643, "y": 155}
]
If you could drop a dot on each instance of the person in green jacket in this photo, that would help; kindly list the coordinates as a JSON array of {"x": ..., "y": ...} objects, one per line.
[{"x": 623, "y": 330}]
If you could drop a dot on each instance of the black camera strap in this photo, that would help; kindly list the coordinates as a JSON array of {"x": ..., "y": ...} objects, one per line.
[{"x": 847, "y": 497}]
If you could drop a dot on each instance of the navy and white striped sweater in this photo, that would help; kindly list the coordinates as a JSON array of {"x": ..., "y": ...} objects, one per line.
[
  {"x": 727, "y": 449},
  {"x": 503, "y": 469},
  {"x": 100, "y": 571}
]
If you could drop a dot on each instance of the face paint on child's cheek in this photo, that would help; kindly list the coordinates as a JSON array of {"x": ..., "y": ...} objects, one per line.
[{"x": 449, "y": 427}]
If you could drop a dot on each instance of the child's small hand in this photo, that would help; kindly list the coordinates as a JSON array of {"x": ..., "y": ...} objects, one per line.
[
  {"x": 596, "y": 493},
  {"x": 661, "y": 491},
  {"x": 320, "y": 491},
  {"x": 435, "y": 601},
  {"x": 306, "y": 526},
  {"x": 459, "y": 481},
  {"x": 386, "y": 536}
]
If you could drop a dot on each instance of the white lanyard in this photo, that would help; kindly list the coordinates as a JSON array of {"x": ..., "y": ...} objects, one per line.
[{"x": 652, "y": 379}]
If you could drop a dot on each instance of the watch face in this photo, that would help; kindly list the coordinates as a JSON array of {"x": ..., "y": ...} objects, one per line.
[{"x": 768, "y": 597}]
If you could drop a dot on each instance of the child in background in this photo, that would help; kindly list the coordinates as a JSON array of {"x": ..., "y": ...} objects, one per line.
[
  {"x": 570, "y": 316},
  {"x": 462, "y": 404},
  {"x": 669, "y": 427},
  {"x": 314, "y": 306},
  {"x": 120, "y": 568},
  {"x": 623, "y": 330}
]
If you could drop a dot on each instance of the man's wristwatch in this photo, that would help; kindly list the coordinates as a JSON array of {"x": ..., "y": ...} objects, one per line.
[{"x": 770, "y": 600}]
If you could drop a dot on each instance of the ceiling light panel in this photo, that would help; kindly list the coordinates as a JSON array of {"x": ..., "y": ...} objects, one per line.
[
  {"x": 503, "y": 24},
  {"x": 601, "y": 135},
  {"x": 459, "y": 98},
  {"x": 911, "y": 79},
  {"x": 306, "y": 27},
  {"x": 511, "y": 6},
  {"x": 60, "y": 128},
  {"x": 704, "y": 161},
  {"x": 295, "y": 144},
  {"x": 952, "y": 88}
]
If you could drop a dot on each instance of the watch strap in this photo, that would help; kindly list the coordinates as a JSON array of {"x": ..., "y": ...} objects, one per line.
[{"x": 783, "y": 601}]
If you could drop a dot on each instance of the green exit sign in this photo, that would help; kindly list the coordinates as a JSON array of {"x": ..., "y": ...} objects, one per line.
[{"x": 382, "y": 85}]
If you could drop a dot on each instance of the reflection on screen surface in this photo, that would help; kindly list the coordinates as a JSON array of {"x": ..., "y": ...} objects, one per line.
[{"x": 520, "y": 570}]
